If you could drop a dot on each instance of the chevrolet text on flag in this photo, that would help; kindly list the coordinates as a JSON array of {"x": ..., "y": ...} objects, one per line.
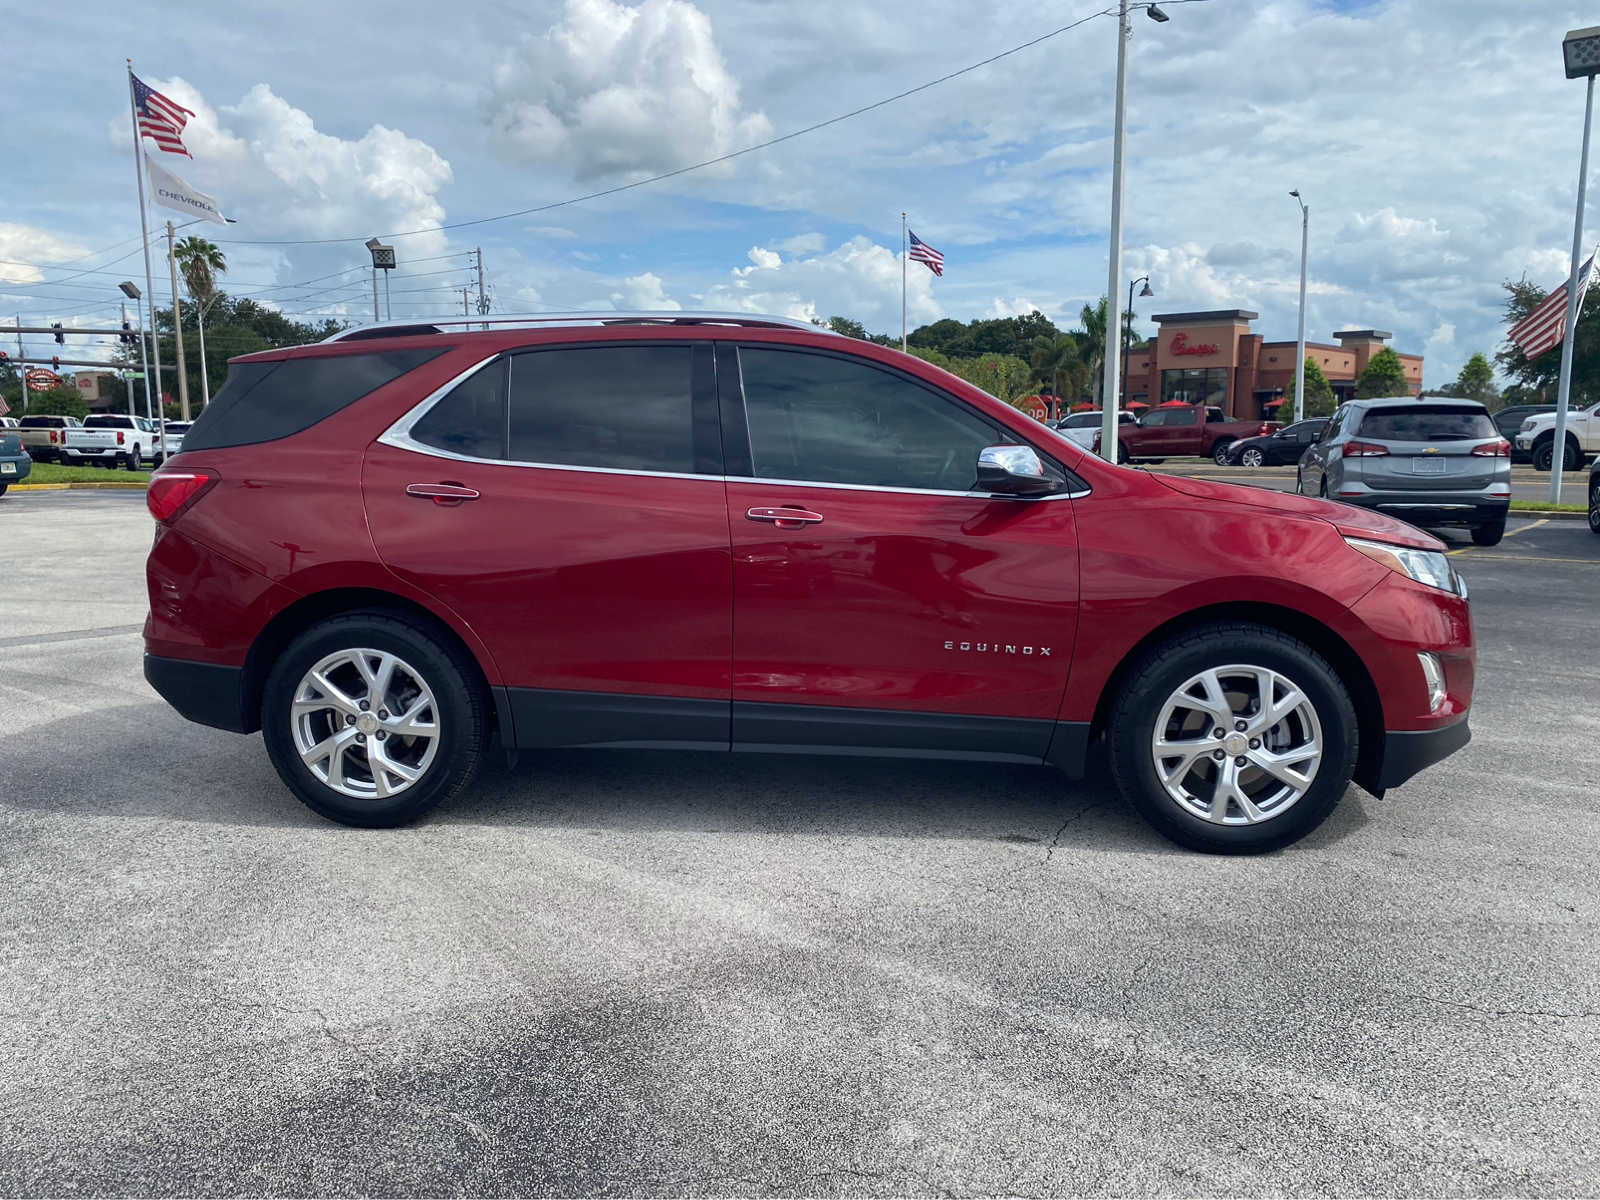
[
  {"x": 926, "y": 255},
  {"x": 168, "y": 190},
  {"x": 1544, "y": 326},
  {"x": 160, "y": 119}
]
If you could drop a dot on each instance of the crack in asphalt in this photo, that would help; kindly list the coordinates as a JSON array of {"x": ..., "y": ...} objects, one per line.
[
  {"x": 1578, "y": 1014},
  {"x": 1056, "y": 840}
]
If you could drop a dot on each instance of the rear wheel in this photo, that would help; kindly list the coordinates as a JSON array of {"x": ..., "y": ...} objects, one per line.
[
  {"x": 1544, "y": 455},
  {"x": 1219, "y": 453},
  {"x": 372, "y": 720},
  {"x": 1253, "y": 458},
  {"x": 1594, "y": 507},
  {"x": 1489, "y": 535},
  {"x": 1233, "y": 739},
  {"x": 132, "y": 461}
]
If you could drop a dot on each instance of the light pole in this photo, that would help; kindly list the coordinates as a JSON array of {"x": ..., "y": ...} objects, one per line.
[
  {"x": 131, "y": 291},
  {"x": 1127, "y": 332},
  {"x": 1108, "y": 391},
  {"x": 1300, "y": 342},
  {"x": 1580, "y": 50},
  {"x": 382, "y": 260}
]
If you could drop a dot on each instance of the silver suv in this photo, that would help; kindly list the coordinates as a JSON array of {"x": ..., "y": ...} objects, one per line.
[{"x": 1429, "y": 462}]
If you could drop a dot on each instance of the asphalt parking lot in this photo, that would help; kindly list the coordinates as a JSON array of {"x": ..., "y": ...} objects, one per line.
[{"x": 637, "y": 973}]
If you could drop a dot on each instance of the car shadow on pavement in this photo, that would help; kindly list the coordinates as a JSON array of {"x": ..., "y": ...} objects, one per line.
[{"x": 222, "y": 778}]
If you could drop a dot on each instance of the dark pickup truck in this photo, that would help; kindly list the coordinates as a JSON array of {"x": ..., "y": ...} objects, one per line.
[{"x": 1178, "y": 432}]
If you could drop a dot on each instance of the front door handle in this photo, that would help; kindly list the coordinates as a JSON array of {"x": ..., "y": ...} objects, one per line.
[
  {"x": 784, "y": 518},
  {"x": 441, "y": 493}
]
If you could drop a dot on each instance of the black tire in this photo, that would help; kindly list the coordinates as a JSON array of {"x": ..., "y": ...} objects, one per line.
[
  {"x": 1594, "y": 508},
  {"x": 132, "y": 459},
  {"x": 1219, "y": 453},
  {"x": 4, "y": 486},
  {"x": 462, "y": 716},
  {"x": 1489, "y": 535},
  {"x": 1322, "y": 488},
  {"x": 1164, "y": 668},
  {"x": 1122, "y": 454},
  {"x": 1544, "y": 455}
]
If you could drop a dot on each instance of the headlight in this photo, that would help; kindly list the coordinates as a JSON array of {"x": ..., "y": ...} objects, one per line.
[
  {"x": 1527, "y": 425},
  {"x": 1425, "y": 566}
]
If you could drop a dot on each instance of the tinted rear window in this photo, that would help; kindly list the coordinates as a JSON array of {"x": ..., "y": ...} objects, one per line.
[
  {"x": 41, "y": 423},
  {"x": 1433, "y": 423},
  {"x": 265, "y": 401},
  {"x": 108, "y": 422}
]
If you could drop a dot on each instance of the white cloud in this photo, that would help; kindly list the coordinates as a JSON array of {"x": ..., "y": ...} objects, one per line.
[
  {"x": 801, "y": 243},
  {"x": 644, "y": 292},
  {"x": 1020, "y": 306},
  {"x": 614, "y": 90},
  {"x": 24, "y": 244},
  {"x": 858, "y": 279}
]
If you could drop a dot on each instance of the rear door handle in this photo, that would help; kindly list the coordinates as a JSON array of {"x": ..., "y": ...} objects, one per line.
[
  {"x": 441, "y": 493},
  {"x": 784, "y": 518}
]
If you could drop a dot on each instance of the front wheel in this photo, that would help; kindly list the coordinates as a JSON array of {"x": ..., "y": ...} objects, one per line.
[
  {"x": 1219, "y": 453},
  {"x": 1233, "y": 739},
  {"x": 1489, "y": 535},
  {"x": 372, "y": 720},
  {"x": 1594, "y": 508},
  {"x": 1122, "y": 454},
  {"x": 1252, "y": 458}
]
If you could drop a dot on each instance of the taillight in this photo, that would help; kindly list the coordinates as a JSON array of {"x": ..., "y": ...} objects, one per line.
[
  {"x": 170, "y": 494},
  {"x": 1364, "y": 450},
  {"x": 1500, "y": 449},
  {"x": 119, "y": 437},
  {"x": 54, "y": 437}
]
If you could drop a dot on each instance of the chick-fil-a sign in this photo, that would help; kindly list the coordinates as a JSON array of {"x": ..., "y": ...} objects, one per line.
[{"x": 1180, "y": 345}]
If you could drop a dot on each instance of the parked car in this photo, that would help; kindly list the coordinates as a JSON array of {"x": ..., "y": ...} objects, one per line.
[
  {"x": 9, "y": 423},
  {"x": 1594, "y": 498},
  {"x": 43, "y": 435},
  {"x": 1433, "y": 463},
  {"x": 1165, "y": 432},
  {"x": 1509, "y": 423},
  {"x": 1538, "y": 437},
  {"x": 15, "y": 465},
  {"x": 112, "y": 440},
  {"x": 1286, "y": 445},
  {"x": 174, "y": 440},
  {"x": 398, "y": 548},
  {"x": 1080, "y": 428}
]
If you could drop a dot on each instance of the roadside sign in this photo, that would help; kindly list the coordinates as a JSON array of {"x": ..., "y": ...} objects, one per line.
[
  {"x": 40, "y": 379},
  {"x": 1034, "y": 407}
]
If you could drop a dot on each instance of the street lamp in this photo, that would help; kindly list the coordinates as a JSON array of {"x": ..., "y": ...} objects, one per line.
[
  {"x": 382, "y": 260},
  {"x": 1127, "y": 332},
  {"x": 131, "y": 291},
  {"x": 1108, "y": 392},
  {"x": 1300, "y": 343},
  {"x": 1580, "y": 50}
]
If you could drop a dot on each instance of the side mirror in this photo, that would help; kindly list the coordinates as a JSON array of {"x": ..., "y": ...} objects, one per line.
[{"x": 1012, "y": 471}]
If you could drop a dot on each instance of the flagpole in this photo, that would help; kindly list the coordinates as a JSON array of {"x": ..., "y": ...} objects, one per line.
[
  {"x": 149, "y": 277},
  {"x": 1559, "y": 462},
  {"x": 902, "y": 283}
]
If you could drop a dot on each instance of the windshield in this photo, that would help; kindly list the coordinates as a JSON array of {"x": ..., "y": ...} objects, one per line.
[{"x": 1427, "y": 423}]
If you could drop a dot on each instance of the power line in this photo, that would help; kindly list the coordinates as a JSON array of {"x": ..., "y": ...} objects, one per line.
[{"x": 710, "y": 162}]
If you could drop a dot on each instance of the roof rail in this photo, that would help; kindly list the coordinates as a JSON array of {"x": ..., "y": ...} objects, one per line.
[{"x": 413, "y": 326}]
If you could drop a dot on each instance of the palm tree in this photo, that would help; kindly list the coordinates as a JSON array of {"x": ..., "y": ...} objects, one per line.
[{"x": 200, "y": 262}]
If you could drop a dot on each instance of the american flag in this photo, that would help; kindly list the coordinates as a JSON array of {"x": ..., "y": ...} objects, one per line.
[
  {"x": 1545, "y": 325},
  {"x": 160, "y": 119},
  {"x": 926, "y": 255}
]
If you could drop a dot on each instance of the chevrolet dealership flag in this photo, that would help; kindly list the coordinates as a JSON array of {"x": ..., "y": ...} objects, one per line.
[
  {"x": 168, "y": 190},
  {"x": 1544, "y": 326}
]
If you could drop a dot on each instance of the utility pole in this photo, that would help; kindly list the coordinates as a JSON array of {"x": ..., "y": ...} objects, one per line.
[
  {"x": 1108, "y": 393},
  {"x": 466, "y": 308},
  {"x": 20, "y": 357},
  {"x": 177, "y": 335},
  {"x": 483, "y": 299}
]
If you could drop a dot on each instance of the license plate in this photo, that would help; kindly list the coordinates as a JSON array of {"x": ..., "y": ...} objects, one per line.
[
  {"x": 8, "y": 468},
  {"x": 1428, "y": 466}
]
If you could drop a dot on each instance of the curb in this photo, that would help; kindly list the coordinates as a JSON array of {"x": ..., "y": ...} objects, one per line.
[
  {"x": 1548, "y": 514},
  {"x": 74, "y": 487}
]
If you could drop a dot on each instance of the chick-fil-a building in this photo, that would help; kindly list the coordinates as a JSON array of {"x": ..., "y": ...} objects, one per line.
[{"x": 1214, "y": 358}]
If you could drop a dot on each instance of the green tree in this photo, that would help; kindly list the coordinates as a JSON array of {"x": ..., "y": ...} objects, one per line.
[
  {"x": 59, "y": 401},
  {"x": 1541, "y": 374},
  {"x": 1318, "y": 399},
  {"x": 1384, "y": 376},
  {"x": 1002, "y": 375},
  {"x": 845, "y": 326},
  {"x": 1057, "y": 361},
  {"x": 200, "y": 263},
  {"x": 1476, "y": 382}
]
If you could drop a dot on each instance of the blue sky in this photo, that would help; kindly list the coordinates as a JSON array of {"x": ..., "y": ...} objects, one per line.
[{"x": 1439, "y": 156}]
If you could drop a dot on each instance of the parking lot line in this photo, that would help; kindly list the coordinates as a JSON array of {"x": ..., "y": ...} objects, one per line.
[
  {"x": 1509, "y": 533},
  {"x": 1489, "y": 556}
]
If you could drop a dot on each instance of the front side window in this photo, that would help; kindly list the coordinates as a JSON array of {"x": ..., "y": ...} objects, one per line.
[
  {"x": 817, "y": 418},
  {"x": 627, "y": 408}
]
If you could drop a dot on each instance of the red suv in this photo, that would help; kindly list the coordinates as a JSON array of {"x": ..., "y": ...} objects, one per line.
[{"x": 394, "y": 550}]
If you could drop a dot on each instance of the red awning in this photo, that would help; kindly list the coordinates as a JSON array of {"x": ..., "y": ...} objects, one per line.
[
  {"x": 1133, "y": 404},
  {"x": 1083, "y": 406},
  {"x": 1176, "y": 404}
]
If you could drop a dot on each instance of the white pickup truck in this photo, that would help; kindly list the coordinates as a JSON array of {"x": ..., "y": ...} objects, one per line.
[
  {"x": 113, "y": 439},
  {"x": 1538, "y": 437}
]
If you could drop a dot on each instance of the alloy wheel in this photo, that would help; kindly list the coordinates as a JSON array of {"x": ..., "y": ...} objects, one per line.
[
  {"x": 1237, "y": 744},
  {"x": 1594, "y": 508},
  {"x": 1251, "y": 457},
  {"x": 365, "y": 723}
]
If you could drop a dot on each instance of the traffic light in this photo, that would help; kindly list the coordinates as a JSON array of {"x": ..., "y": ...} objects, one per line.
[
  {"x": 61, "y": 338},
  {"x": 55, "y": 362},
  {"x": 126, "y": 337}
]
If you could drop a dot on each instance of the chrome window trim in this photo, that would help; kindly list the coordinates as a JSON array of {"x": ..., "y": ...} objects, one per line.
[{"x": 399, "y": 437}]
